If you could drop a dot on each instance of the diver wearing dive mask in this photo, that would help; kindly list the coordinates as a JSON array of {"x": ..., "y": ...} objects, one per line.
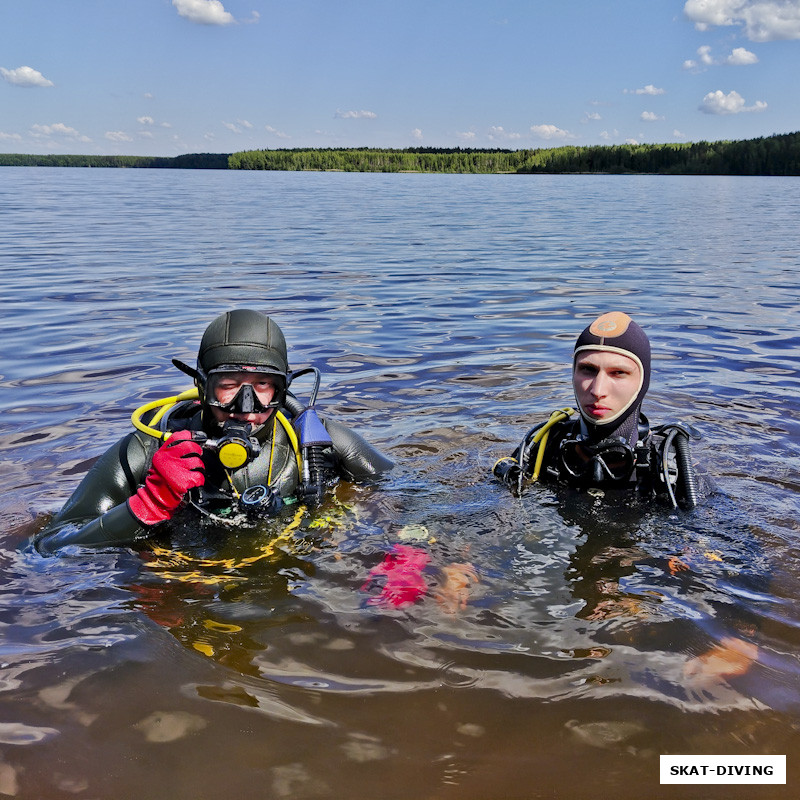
[
  {"x": 611, "y": 444},
  {"x": 237, "y": 392},
  {"x": 240, "y": 441}
]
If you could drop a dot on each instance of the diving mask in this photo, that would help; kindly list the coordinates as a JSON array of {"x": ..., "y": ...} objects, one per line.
[
  {"x": 609, "y": 460},
  {"x": 242, "y": 391}
]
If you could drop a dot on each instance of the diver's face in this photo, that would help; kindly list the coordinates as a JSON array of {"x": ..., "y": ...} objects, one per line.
[
  {"x": 228, "y": 384},
  {"x": 605, "y": 383}
]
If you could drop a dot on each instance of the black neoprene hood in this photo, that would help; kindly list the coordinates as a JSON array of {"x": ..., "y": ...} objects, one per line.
[
  {"x": 243, "y": 337},
  {"x": 616, "y": 332}
]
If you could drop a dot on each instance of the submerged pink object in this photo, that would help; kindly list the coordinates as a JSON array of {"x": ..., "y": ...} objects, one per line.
[{"x": 403, "y": 583}]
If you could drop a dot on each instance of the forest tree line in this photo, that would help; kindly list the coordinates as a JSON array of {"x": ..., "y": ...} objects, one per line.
[
  {"x": 189, "y": 161},
  {"x": 772, "y": 155}
]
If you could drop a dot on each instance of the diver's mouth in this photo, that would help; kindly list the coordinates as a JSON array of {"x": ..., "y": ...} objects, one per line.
[{"x": 254, "y": 418}]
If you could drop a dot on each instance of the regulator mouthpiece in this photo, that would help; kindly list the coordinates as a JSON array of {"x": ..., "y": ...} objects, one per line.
[{"x": 235, "y": 447}]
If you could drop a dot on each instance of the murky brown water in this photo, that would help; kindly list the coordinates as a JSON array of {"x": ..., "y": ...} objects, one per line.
[{"x": 562, "y": 643}]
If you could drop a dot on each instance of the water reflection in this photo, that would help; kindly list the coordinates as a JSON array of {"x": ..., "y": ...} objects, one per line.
[
  {"x": 547, "y": 637},
  {"x": 576, "y": 595}
]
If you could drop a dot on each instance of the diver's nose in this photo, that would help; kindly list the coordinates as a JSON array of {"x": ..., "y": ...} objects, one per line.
[{"x": 599, "y": 387}]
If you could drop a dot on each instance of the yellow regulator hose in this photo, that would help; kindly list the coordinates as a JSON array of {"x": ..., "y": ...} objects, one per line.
[{"x": 164, "y": 404}]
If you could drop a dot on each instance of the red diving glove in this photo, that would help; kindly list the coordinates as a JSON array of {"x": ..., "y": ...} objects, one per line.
[
  {"x": 404, "y": 583},
  {"x": 177, "y": 467}
]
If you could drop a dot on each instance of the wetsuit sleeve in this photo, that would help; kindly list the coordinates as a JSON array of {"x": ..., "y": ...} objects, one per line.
[
  {"x": 97, "y": 514},
  {"x": 356, "y": 459}
]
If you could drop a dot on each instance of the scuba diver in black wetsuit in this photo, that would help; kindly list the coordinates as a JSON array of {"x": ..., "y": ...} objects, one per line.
[
  {"x": 611, "y": 444},
  {"x": 238, "y": 442}
]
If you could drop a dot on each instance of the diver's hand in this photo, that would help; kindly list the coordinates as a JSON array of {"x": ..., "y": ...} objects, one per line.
[
  {"x": 729, "y": 658},
  {"x": 455, "y": 590},
  {"x": 177, "y": 468}
]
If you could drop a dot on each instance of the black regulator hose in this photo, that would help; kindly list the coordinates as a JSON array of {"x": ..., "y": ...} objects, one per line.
[
  {"x": 684, "y": 480},
  {"x": 685, "y": 471}
]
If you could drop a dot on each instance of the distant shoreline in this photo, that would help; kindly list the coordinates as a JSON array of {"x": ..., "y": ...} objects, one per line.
[{"x": 772, "y": 155}]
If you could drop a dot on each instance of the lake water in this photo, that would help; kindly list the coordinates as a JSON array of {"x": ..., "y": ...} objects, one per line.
[{"x": 441, "y": 311}]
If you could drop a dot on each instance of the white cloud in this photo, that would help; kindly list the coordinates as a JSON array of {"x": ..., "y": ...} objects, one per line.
[
  {"x": 245, "y": 124},
  {"x": 466, "y": 136},
  {"x": 498, "y": 133},
  {"x": 649, "y": 116},
  {"x": 355, "y": 115},
  {"x": 231, "y": 127},
  {"x": 704, "y": 59},
  {"x": 416, "y": 135},
  {"x": 25, "y": 76},
  {"x": 731, "y": 103},
  {"x": 762, "y": 20},
  {"x": 118, "y": 136},
  {"x": 204, "y": 12},
  {"x": 276, "y": 132},
  {"x": 609, "y": 134},
  {"x": 678, "y": 135},
  {"x": 631, "y": 141},
  {"x": 550, "y": 132},
  {"x": 10, "y": 137},
  {"x": 649, "y": 89},
  {"x": 591, "y": 115},
  {"x": 57, "y": 129},
  {"x": 145, "y": 120},
  {"x": 740, "y": 57},
  {"x": 704, "y": 53}
]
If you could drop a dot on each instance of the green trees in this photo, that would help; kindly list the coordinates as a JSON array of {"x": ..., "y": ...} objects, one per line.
[
  {"x": 773, "y": 155},
  {"x": 417, "y": 159},
  {"x": 191, "y": 161}
]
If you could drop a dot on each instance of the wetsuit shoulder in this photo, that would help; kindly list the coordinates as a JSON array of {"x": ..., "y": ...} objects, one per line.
[
  {"x": 356, "y": 459},
  {"x": 527, "y": 453},
  {"x": 521, "y": 465}
]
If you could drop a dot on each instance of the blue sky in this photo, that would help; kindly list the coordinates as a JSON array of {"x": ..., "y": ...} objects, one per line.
[{"x": 164, "y": 77}]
